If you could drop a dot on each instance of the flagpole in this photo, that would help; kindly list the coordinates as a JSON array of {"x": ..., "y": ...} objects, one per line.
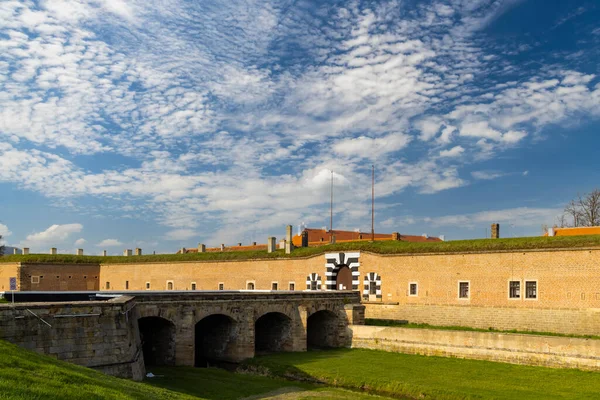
[{"x": 373, "y": 202}]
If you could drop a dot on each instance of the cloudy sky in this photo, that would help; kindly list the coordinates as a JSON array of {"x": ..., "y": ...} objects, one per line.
[{"x": 164, "y": 123}]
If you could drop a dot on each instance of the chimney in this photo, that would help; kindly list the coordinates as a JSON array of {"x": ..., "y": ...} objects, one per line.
[
  {"x": 395, "y": 236},
  {"x": 53, "y": 251},
  {"x": 104, "y": 253},
  {"x": 127, "y": 252},
  {"x": 222, "y": 247},
  {"x": 79, "y": 252},
  {"x": 201, "y": 248},
  {"x": 304, "y": 238},
  {"x": 289, "y": 246},
  {"x": 239, "y": 245},
  {"x": 182, "y": 251},
  {"x": 270, "y": 244},
  {"x": 15, "y": 251},
  {"x": 253, "y": 243},
  {"x": 495, "y": 231},
  {"x": 138, "y": 251},
  {"x": 25, "y": 251}
]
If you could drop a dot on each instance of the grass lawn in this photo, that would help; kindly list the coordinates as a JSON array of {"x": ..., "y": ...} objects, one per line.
[
  {"x": 401, "y": 324},
  {"x": 25, "y": 375},
  {"x": 432, "y": 377},
  {"x": 382, "y": 247}
]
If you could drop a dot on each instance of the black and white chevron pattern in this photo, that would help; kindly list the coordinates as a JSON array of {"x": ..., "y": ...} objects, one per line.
[{"x": 335, "y": 261}]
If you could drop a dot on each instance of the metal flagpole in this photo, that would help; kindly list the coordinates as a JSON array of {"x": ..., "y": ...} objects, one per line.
[
  {"x": 331, "y": 208},
  {"x": 373, "y": 202}
]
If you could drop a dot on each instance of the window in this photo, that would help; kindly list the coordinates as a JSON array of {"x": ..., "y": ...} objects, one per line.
[
  {"x": 463, "y": 290},
  {"x": 169, "y": 285},
  {"x": 413, "y": 289},
  {"x": 147, "y": 285},
  {"x": 193, "y": 285},
  {"x": 292, "y": 286},
  {"x": 35, "y": 279},
  {"x": 107, "y": 285},
  {"x": 250, "y": 286},
  {"x": 221, "y": 286},
  {"x": 274, "y": 286},
  {"x": 531, "y": 289},
  {"x": 126, "y": 284},
  {"x": 313, "y": 285},
  {"x": 372, "y": 288},
  {"x": 85, "y": 277},
  {"x": 70, "y": 276},
  {"x": 514, "y": 289}
]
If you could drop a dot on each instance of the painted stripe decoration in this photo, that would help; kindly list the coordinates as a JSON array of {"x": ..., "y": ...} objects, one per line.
[
  {"x": 313, "y": 278},
  {"x": 335, "y": 261},
  {"x": 375, "y": 279}
]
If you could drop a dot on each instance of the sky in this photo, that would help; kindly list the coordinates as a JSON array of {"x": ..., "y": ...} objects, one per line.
[{"x": 164, "y": 124}]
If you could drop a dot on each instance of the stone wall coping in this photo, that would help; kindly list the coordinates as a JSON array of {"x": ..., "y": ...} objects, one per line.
[
  {"x": 440, "y": 253},
  {"x": 186, "y": 296},
  {"x": 472, "y": 333},
  {"x": 119, "y": 301},
  {"x": 592, "y": 309}
]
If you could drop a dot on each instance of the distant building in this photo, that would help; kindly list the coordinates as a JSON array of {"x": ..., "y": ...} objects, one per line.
[
  {"x": 317, "y": 237},
  {"x": 578, "y": 231}
]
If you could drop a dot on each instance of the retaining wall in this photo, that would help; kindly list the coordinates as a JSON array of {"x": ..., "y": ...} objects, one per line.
[
  {"x": 548, "y": 351},
  {"x": 102, "y": 335}
]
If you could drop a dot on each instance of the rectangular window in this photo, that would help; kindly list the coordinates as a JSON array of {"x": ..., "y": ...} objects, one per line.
[
  {"x": 147, "y": 285},
  {"x": 514, "y": 289},
  {"x": 372, "y": 288},
  {"x": 292, "y": 286},
  {"x": 221, "y": 286},
  {"x": 107, "y": 285},
  {"x": 193, "y": 285},
  {"x": 274, "y": 286},
  {"x": 463, "y": 290},
  {"x": 413, "y": 289},
  {"x": 313, "y": 285},
  {"x": 126, "y": 284},
  {"x": 35, "y": 279},
  {"x": 531, "y": 289}
]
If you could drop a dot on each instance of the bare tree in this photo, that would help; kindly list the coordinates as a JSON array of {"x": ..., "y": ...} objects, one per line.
[
  {"x": 585, "y": 210},
  {"x": 561, "y": 221}
]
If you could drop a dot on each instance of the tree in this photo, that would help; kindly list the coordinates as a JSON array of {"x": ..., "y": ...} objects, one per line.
[
  {"x": 1, "y": 247},
  {"x": 585, "y": 210}
]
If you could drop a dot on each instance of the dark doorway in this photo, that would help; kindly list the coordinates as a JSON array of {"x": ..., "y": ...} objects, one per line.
[
  {"x": 213, "y": 337},
  {"x": 158, "y": 341},
  {"x": 343, "y": 281},
  {"x": 323, "y": 330},
  {"x": 273, "y": 333}
]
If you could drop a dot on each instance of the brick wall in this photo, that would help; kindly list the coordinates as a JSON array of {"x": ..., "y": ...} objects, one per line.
[
  {"x": 55, "y": 277},
  {"x": 99, "y": 335},
  {"x": 549, "y": 351}
]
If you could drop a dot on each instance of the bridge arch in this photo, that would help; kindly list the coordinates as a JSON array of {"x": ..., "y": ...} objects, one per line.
[
  {"x": 273, "y": 332},
  {"x": 157, "y": 336},
  {"x": 324, "y": 328},
  {"x": 214, "y": 340}
]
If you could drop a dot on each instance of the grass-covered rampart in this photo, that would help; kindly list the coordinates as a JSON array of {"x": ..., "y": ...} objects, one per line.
[{"x": 380, "y": 247}]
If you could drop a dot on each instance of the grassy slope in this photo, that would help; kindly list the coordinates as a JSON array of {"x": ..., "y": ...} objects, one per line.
[
  {"x": 383, "y": 247},
  {"x": 433, "y": 377},
  {"x": 402, "y": 324},
  {"x": 30, "y": 376}
]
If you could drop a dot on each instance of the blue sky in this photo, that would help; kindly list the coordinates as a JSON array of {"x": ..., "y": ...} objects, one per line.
[{"x": 161, "y": 124}]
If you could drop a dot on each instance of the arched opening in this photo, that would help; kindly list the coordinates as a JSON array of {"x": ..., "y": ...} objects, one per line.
[
  {"x": 323, "y": 328},
  {"x": 343, "y": 280},
  {"x": 273, "y": 333},
  {"x": 213, "y": 336},
  {"x": 158, "y": 341}
]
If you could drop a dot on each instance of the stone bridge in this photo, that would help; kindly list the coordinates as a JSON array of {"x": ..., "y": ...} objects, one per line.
[
  {"x": 195, "y": 329},
  {"x": 131, "y": 330}
]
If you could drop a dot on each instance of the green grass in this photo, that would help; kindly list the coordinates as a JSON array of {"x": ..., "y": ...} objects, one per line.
[
  {"x": 431, "y": 377},
  {"x": 382, "y": 247},
  {"x": 401, "y": 324},
  {"x": 25, "y": 375}
]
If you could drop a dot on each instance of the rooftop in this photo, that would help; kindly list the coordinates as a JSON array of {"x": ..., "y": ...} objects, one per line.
[{"x": 381, "y": 247}]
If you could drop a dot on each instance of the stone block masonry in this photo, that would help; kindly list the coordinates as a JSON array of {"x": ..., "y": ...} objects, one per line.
[
  {"x": 102, "y": 335},
  {"x": 547, "y": 351}
]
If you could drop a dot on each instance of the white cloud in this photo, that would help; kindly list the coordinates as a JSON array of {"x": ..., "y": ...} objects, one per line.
[
  {"x": 372, "y": 147},
  {"x": 109, "y": 243},
  {"x": 54, "y": 235},
  {"x": 80, "y": 242},
  {"x": 521, "y": 217},
  {"x": 487, "y": 175},
  {"x": 180, "y": 234},
  {"x": 456, "y": 151},
  {"x": 4, "y": 232}
]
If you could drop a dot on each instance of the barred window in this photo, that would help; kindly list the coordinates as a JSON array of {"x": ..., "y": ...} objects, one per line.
[
  {"x": 147, "y": 285},
  {"x": 514, "y": 289},
  {"x": 292, "y": 286},
  {"x": 221, "y": 286},
  {"x": 463, "y": 290},
  {"x": 531, "y": 289},
  {"x": 412, "y": 289},
  {"x": 313, "y": 285},
  {"x": 274, "y": 286},
  {"x": 193, "y": 285}
]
